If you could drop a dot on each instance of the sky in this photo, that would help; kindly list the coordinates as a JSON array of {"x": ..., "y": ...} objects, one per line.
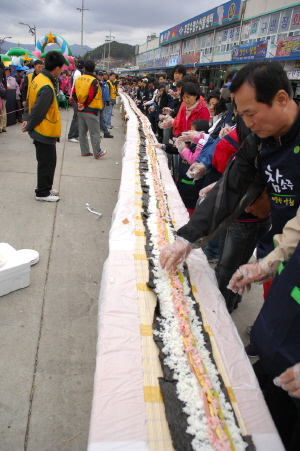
[{"x": 130, "y": 21}]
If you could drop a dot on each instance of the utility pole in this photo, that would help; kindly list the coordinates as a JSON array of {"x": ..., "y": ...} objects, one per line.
[
  {"x": 32, "y": 30},
  {"x": 3, "y": 39},
  {"x": 81, "y": 10},
  {"x": 109, "y": 39}
]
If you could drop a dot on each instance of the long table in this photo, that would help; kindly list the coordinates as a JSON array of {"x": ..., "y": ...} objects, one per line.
[{"x": 127, "y": 410}]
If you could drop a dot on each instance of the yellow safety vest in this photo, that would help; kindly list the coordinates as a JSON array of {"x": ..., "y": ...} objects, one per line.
[
  {"x": 50, "y": 126},
  {"x": 112, "y": 89},
  {"x": 82, "y": 88}
]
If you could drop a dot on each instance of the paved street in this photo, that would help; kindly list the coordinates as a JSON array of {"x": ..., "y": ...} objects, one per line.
[{"x": 48, "y": 331}]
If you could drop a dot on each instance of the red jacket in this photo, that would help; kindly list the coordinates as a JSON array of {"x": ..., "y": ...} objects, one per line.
[
  {"x": 224, "y": 150},
  {"x": 182, "y": 124}
]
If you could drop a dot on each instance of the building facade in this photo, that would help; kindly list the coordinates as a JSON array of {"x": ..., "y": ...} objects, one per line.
[{"x": 227, "y": 37}]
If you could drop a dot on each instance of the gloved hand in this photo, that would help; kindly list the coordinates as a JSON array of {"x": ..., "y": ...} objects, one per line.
[
  {"x": 174, "y": 94},
  {"x": 204, "y": 192},
  {"x": 180, "y": 146},
  {"x": 225, "y": 130},
  {"x": 196, "y": 171},
  {"x": 190, "y": 135},
  {"x": 167, "y": 123},
  {"x": 151, "y": 108},
  {"x": 245, "y": 275},
  {"x": 174, "y": 253},
  {"x": 290, "y": 381},
  {"x": 162, "y": 117},
  {"x": 167, "y": 110}
]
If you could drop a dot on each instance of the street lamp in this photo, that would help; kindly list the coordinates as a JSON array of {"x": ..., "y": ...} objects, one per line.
[
  {"x": 32, "y": 30},
  {"x": 3, "y": 39}
]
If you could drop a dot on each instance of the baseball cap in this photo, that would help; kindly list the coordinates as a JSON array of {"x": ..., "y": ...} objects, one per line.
[
  {"x": 99, "y": 72},
  {"x": 80, "y": 63}
]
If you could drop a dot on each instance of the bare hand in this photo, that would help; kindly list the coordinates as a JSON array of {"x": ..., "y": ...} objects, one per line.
[
  {"x": 23, "y": 127},
  {"x": 80, "y": 106}
]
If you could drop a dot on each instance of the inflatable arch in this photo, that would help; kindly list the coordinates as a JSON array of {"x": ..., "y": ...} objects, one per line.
[{"x": 55, "y": 38}]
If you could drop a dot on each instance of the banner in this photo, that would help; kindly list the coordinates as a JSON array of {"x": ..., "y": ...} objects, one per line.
[
  {"x": 250, "y": 51},
  {"x": 222, "y": 15},
  {"x": 289, "y": 46}
]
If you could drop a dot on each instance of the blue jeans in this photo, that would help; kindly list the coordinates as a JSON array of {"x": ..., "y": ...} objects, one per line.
[
  {"x": 102, "y": 120},
  {"x": 109, "y": 109},
  {"x": 236, "y": 247}
]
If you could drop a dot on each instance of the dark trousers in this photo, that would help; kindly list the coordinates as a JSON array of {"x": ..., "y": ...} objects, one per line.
[
  {"x": 46, "y": 159},
  {"x": 19, "y": 110},
  {"x": 73, "y": 132},
  {"x": 236, "y": 247},
  {"x": 284, "y": 411},
  {"x": 102, "y": 120}
]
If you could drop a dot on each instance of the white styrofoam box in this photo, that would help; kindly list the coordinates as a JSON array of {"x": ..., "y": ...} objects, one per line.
[{"x": 15, "y": 273}]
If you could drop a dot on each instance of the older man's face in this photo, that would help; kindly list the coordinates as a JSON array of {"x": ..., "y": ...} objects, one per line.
[{"x": 261, "y": 118}]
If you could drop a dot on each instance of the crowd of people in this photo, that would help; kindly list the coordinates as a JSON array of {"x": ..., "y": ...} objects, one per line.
[{"x": 234, "y": 156}]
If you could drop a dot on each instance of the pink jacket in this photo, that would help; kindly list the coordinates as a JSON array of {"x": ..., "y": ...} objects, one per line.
[{"x": 191, "y": 157}]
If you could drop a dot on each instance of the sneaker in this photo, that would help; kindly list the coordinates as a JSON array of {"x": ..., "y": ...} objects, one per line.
[
  {"x": 107, "y": 127},
  {"x": 107, "y": 135},
  {"x": 54, "y": 192},
  {"x": 73, "y": 140},
  {"x": 101, "y": 154},
  {"x": 49, "y": 198},
  {"x": 4, "y": 130},
  {"x": 248, "y": 329},
  {"x": 87, "y": 155},
  {"x": 251, "y": 351}
]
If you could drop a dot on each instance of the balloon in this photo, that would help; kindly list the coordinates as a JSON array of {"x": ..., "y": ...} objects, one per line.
[
  {"x": 36, "y": 53},
  {"x": 17, "y": 51},
  {"x": 4, "y": 58}
]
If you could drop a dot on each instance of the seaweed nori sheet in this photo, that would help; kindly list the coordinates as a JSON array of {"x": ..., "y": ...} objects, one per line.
[{"x": 177, "y": 419}]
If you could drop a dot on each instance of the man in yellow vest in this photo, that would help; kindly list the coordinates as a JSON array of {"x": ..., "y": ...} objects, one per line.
[
  {"x": 38, "y": 66},
  {"x": 87, "y": 94},
  {"x": 42, "y": 122},
  {"x": 113, "y": 92}
]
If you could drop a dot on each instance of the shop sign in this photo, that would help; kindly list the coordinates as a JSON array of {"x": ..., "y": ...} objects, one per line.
[
  {"x": 173, "y": 61},
  {"x": 289, "y": 46},
  {"x": 294, "y": 75},
  {"x": 250, "y": 51},
  {"x": 291, "y": 65},
  {"x": 224, "y": 14}
]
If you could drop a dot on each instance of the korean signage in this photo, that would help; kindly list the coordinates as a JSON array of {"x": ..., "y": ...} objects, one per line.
[
  {"x": 289, "y": 46},
  {"x": 224, "y": 14},
  {"x": 293, "y": 75},
  {"x": 250, "y": 51}
]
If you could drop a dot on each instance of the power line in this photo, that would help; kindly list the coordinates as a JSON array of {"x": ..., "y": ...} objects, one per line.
[
  {"x": 68, "y": 4},
  {"x": 39, "y": 13}
]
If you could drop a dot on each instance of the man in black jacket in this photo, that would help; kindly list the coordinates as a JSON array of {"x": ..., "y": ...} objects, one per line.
[
  {"x": 268, "y": 157},
  {"x": 42, "y": 122}
]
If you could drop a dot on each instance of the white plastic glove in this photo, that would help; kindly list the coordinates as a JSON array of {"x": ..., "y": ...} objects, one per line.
[
  {"x": 290, "y": 381},
  {"x": 167, "y": 110},
  {"x": 173, "y": 254},
  {"x": 167, "y": 123},
  {"x": 245, "y": 275},
  {"x": 180, "y": 146},
  {"x": 196, "y": 171},
  {"x": 204, "y": 192},
  {"x": 174, "y": 94},
  {"x": 190, "y": 135},
  {"x": 162, "y": 117},
  {"x": 225, "y": 130}
]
